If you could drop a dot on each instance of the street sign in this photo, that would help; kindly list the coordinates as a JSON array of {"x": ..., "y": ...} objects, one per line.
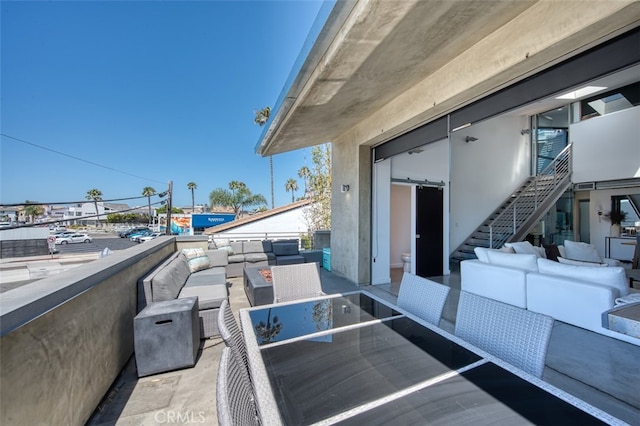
[{"x": 51, "y": 240}]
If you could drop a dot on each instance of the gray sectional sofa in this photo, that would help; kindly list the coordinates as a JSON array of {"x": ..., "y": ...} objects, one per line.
[
  {"x": 173, "y": 279},
  {"x": 241, "y": 254}
]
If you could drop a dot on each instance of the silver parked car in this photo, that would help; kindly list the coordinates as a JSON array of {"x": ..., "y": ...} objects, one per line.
[
  {"x": 149, "y": 237},
  {"x": 74, "y": 238}
]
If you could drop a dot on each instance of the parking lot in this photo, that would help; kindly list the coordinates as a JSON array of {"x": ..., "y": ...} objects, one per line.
[{"x": 99, "y": 243}]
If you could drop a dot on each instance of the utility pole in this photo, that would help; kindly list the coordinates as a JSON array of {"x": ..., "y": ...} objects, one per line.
[{"x": 169, "y": 207}]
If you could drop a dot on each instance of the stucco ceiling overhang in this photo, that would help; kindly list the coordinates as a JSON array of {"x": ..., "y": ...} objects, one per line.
[{"x": 370, "y": 53}]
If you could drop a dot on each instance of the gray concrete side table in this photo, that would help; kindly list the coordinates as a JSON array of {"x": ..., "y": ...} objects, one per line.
[
  {"x": 623, "y": 319},
  {"x": 167, "y": 336},
  {"x": 258, "y": 290}
]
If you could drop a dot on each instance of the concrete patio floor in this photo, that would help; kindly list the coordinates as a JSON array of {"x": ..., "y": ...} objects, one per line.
[{"x": 586, "y": 364}]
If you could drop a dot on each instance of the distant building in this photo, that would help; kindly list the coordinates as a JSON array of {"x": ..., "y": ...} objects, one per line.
[
  {"x": 285, "y": 221},
  {"x": 8, "y": 214},
  {"x": 85, "y": 213}
]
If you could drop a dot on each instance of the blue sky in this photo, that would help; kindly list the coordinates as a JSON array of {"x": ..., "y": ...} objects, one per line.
[{"x": 151, "y": 90}]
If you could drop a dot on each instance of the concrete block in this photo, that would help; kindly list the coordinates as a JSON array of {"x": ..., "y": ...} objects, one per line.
[{"x": 167, "y": 336}]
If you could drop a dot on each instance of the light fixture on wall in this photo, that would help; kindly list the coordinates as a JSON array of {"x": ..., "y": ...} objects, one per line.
[
  {"x": 470, "y": 139},
  {"x": 344, "y": 188},
  {"x": 415, "y": 151}
]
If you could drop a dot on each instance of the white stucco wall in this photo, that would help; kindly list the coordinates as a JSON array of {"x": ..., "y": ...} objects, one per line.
[
  {"x": 31, "y": 233},
  {"x": 292, "y": 221},
  {"x": 606, "y": 147},
  {"x": 485, "y": 172}
]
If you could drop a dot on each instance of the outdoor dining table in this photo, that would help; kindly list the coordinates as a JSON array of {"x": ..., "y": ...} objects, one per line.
[{"x": 356, "y": 359}]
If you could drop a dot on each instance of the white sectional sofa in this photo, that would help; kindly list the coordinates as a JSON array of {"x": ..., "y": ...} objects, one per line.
[{"x": 574, "y": 294}]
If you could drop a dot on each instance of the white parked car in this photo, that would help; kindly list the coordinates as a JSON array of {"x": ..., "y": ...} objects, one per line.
[
  {"x": 149, "y": 237},
  {"x": 74, "y": 238}
]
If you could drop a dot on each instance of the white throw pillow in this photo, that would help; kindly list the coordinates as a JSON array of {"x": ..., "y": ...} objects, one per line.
[
  {"x": 581, "y": 251},
  {"x": 520, "y": 261},
  {"x": 481, "y": 254},
  {"x": 612, "y": 276},
  {"x": 562, "y": 251},
  {"x": 522, "y": 247},
  {"x": 579, "y": 262},
  {"x": 540, "y": 252}
]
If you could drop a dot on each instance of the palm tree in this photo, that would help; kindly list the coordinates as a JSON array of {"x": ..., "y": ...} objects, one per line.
[
  {"x": 292, "y": 186},
  {"x": 238, "y": 197},
  {"x": 31, "y": 210},
  {"x": 305, "y": 173},
  {"x": 192, "y": 186},
  {"x": 261, "y": 118},
  {"x": 148, "y": 191},
  {"x": 95, "y": 195}
]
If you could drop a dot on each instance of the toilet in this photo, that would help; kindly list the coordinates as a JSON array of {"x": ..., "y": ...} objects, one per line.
[{"x": 406, "y": 259}]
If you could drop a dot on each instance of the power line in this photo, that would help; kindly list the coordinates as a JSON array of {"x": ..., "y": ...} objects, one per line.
[
  {"x": 78, "y": 158},
  {"x": 39, "y": 203},
  {"x": 75, "y": 218}
]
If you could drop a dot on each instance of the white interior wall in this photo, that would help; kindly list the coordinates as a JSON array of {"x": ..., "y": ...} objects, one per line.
[
  {"x": 606, "y": 147},
  {"x": 485, "y": 172},
  {"x": 381, "y": 223},
  {"x": 400, "y": 241},
  {"x": 599, "y": 227}
]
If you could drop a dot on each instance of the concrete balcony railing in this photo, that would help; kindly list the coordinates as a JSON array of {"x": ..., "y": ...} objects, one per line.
[{"x": 64, "y": 339}]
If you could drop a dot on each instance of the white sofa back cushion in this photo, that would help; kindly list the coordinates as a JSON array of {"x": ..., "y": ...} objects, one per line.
[
  {"x": 581, "y": 251},
  {"x": 513, "y": 260},
  {"x": 481, "y": 252},
  {"x": 612, "y": 276}
]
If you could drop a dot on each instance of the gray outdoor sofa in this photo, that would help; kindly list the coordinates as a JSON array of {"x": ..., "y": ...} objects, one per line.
[
  {"x": 242, "y": 254},
  {"x": 173, "y": 279}
]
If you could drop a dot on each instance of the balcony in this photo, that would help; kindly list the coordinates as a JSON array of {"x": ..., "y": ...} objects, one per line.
[{"x": 67, "y": 351}]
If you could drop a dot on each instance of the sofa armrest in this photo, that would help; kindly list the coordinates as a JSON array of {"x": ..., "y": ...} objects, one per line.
[
  {"x": 611, "y": 262},
  {"x": 575, "y": 302},
  {"x": 218, "y": 257},
  {"x": 145, "y": 289},
  {"x": 501, "y": 283}
]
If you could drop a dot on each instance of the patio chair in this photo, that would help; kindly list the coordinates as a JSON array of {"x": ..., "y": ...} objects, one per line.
[
  {"x": 422, "y": 297},
  {"x": 294, "y": 282},
  {"x": 515, "y": 335},
  {"x": 235, "y": 402},
  {"x": 231, "y": 333}
]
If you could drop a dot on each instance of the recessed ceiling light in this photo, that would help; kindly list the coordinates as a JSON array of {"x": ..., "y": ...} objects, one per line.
[{"x": 581, "y": 92}]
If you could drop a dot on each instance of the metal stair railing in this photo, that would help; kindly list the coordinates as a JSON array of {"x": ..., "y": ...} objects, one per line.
[{"x": 507, "y": 224}]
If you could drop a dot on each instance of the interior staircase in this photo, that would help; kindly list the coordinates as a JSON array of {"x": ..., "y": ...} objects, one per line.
[{"x": 522, "y": 210}]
